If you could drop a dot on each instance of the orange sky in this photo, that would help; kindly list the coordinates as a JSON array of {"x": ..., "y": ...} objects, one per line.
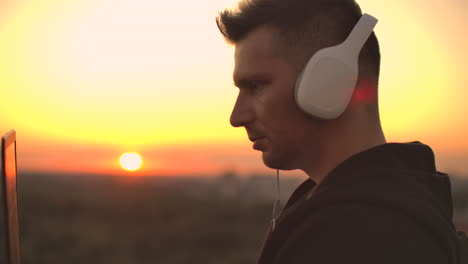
[{"x": 85, "y": 81}]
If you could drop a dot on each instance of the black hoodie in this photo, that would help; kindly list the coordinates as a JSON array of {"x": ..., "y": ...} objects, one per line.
[{"x": 387, "y": 204}]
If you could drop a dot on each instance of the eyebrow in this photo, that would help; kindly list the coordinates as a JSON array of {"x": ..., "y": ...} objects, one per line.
[
  {"x": 242, "y": 82},
  {"x": 248, "y": 80}
]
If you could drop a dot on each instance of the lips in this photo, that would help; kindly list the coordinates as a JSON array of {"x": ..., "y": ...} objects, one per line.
[
  {"x": 253, "y": 139},
  {"x": 257, "y": 143}
]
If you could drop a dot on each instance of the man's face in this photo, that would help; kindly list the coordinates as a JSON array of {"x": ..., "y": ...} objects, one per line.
[{"x": 265, "y": 105}]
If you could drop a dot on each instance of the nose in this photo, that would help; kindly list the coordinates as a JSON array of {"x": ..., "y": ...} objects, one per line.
[{"x": 242, "y": 114}]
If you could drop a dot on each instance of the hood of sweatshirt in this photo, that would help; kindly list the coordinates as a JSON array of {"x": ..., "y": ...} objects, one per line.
[{"x": 399, "y": 176}]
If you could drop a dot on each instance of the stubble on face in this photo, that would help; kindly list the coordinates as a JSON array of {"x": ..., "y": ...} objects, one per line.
[{"x": 276, "y": 117}]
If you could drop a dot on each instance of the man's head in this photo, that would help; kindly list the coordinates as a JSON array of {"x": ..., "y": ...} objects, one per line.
[
  {"x": 302, "y": 27},
  {"x": 274, "y": 39}
]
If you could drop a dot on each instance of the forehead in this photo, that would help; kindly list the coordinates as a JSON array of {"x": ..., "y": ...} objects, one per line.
[{"x": 259, "y": 52}]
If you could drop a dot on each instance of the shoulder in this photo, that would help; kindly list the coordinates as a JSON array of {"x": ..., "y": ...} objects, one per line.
[{"x": 356, "y": 233}]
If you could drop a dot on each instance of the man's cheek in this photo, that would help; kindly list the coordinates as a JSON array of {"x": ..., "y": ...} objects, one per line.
[{"x": 269, "y": 109}]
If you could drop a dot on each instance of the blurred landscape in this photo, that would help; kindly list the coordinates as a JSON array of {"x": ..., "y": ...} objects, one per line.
[{"x": 111, "y": 219}]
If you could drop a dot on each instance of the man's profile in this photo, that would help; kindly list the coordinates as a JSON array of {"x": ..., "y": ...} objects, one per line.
[{"x": 366, "y": 200}]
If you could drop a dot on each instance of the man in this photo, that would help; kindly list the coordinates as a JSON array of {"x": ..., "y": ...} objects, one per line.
[{"x": 366, "y": 200}]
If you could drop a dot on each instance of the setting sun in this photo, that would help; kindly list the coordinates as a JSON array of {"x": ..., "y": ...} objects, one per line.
[{"x": 130, "y": 161}]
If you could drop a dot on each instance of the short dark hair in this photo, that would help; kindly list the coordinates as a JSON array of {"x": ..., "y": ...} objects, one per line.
[{"x": 305, "y": 25}]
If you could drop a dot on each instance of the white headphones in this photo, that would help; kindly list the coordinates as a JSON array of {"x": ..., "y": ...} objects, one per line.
[{"x": 325, "y": 86}]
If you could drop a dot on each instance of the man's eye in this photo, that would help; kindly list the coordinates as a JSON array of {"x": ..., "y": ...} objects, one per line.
[
  {"x": 252, "y": 86},
  {"x": 256, "y": 85}
]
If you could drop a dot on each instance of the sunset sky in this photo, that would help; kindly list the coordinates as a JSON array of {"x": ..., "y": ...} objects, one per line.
[{"x": 84, "y": 81}]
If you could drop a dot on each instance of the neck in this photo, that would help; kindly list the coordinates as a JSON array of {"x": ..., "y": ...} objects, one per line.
[{"x": 341, "y": 145}]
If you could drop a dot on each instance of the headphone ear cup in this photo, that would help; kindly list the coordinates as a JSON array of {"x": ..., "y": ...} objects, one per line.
[{"x": 325, "y": 86}]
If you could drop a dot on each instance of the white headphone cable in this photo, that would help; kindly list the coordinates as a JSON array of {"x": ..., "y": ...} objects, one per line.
[{"x": 276, "y": 205}]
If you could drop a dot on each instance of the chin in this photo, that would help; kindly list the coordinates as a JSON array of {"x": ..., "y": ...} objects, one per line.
[{"x": 282, "y": 162}]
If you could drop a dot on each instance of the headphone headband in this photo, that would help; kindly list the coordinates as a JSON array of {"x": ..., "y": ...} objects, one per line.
[{"x": 361, "y": 32}]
